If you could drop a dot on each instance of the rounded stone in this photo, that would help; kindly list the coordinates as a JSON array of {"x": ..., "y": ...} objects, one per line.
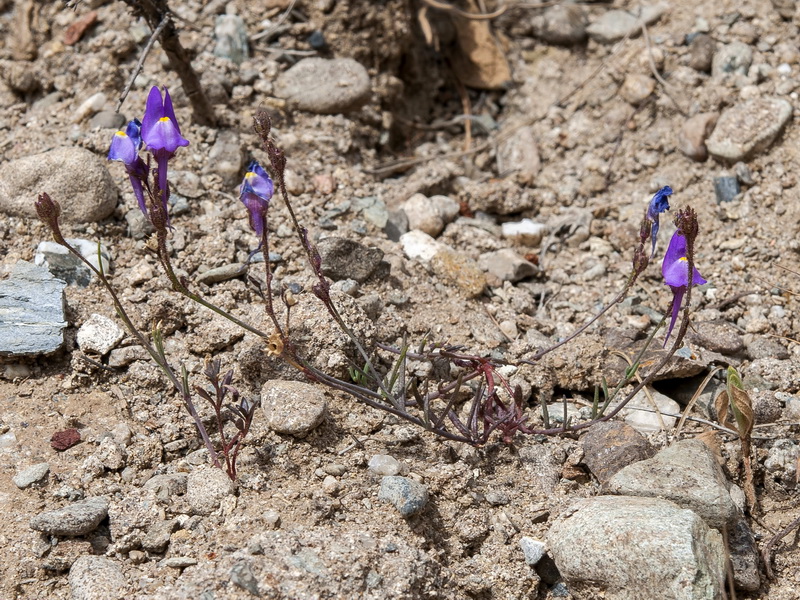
[
  {"x": 636, "y": 88},
  {"x": 293, "y": 407},
  {"x": 408, "y": 496},
  {"x": 206, "y": 487},
  {"x": 325, "y": 86},
  {"x": 74, "y": 177},
  {"x": 96, "y": 578},
  {"x": 748, "y": 128},
  {"x": 78, "y": 518},
  {"x": 384, "y": 464}
]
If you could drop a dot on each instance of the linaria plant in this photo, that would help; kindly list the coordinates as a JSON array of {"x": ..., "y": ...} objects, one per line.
[{"x": 466, "y": 398}]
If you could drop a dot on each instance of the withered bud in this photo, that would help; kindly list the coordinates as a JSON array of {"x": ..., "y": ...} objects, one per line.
[
  {"x": 645, "y": 229},
  {"x": 277, "y": 159},
  {"x": 262, "y": 124},
  {"x": 49, "y": 212},
  {"x": 686, "y": 222}
]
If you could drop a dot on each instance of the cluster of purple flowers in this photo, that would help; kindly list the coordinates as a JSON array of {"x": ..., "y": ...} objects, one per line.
[
  {"x": 675, "y": 268},
  {"x": 160, "y": 133}
]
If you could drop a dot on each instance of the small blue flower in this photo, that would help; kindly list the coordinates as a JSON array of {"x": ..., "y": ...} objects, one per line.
[
  {"x": 125, "y": 146},
  {"x": 658, "y": 204},
  {"x": 675, "y": 270},
  {"x": 255, "y": 193}
]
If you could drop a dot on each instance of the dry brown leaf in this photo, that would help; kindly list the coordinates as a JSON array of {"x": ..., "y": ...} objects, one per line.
[{"x": 480, "y": 62}]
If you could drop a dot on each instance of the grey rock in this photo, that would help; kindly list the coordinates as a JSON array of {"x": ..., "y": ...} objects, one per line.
[
  {"x": 532, "y": 549},
  {"x": 107, "y": 119},
  {"x": 694, "y": 133},
  {"x": 158, "y": 535},
  {"x": 408, "y": 496},
  {"x": 781, "y": 461},
  {"x": 78, "y": 518},
  {"x": 99, "y": 334},
  {"x": 242, "y": 575},
  {"x": 735, "y": 57},
  {"x": 430, "y": 215},
  {"x": 206, "y": 487},
  {"x": 383, "y": 464},
  {"x": 646, "y": 421},
  {"x": 293, "y": 407},
  {"x": 325, "y": 86},
  {"x": 497, "y": 498},
  {"x": 74, "y": 177},
  {"x": 764, "y": 347},
  {"x": 166, "y": 486},
  {"x": 346, "y": 259},
  {"x": 785, "y": 8},
  {"x": 373, "y": 209},
  {"x": 30, "y": 475},
  {"x": 223, "y": 273},
  {"x": 396, "y": 225},
  {"x": 717, "y": 336},
  {"x": 231, "y": 34},
  {"x": 122, "y": 357},
  {"x": 748, "y": 128},
  {"x": 767, "y": 408},
  {"x": 519, "y": 154},
  {"x": 610, "y": 446},
  {"x": 96, "y": 578},
  {"x": 112, "y": 454},
  {"x": 139, "y": 226},
  {"x": 686, "y": 473},
  {"x": 507, "y": 265},
  {"x": 636, "y": 88},
  {"x": 65, "y": 265},
  {"x": 32, "y": 305},
  {"x": 638, "y": 548},
  {"x": 186, "y": 183},
  {"x": 744, "y": 556},
  {"x": 701, "y": 52},
  {"x": 563, "y": 24},
  {"x": 226, "y": 158},
  {"x": 613, "y": 25},
  {"x": 726, "y": 188},
  {"x": 792, "y": 410},
  {"x": 178, "y": 562}
]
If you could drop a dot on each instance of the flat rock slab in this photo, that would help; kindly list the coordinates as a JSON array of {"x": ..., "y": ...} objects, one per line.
[
  {"x": 686, "y": 473},
  {"x": 614, "y": 25},
  {"x": 74, "y": 177},
  {"x": 325, "y": 86},
  {"x": 293, "y": 407},
  {"x": 638, "y": 548},
  {"x": 32, "y": 318},
  {"x": 748, "y": 128},
  {"x": 65, "y": 265},
  {"x": 609, "y": 446},
  {"x": 78, "y": 518}
]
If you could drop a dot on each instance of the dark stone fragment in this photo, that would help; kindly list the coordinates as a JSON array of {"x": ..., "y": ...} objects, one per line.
[
  {"x": 612, "y": 445},
  {"x": 726, "y": 188},
  {"x": 346, "y": 259},
  {"x": 62, "y": 440}
]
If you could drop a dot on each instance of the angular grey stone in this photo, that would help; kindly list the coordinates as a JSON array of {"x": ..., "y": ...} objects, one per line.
[
  {"x": 242, "y": 575},
  {"x": 613, "y": 25},
  {"x": 346, "y": 259},
  {"x": 701, "y": 52},
  {"x": 744, "y": 556},
  {"x": 293, "y": 407},
  {"x": 231, "y": 34},
  {"x": 74, "y": 177},
  {"x": 31, "y": 475},
  {"x": 518, "y": 155},
  {"x": 735, "y": 57},
  {"x": 107, "y": 119},
  {"x": 206, "y": 487},
  {"x": 532, "y": 549},
  {"x": 78, "y": 518},
  {"x": 507, "y": 265},
  {"x": 65, "y": 265},
  {"x": 32, "y": 306},
  {"x": 99, "y": 334},
  {"x": 223, "y": 273},
  {"x": 226, "y": 157},
  {"x": 726, "y": 188},
  {"x": 96, "y": 578},
  {"x": 563, "y": 24},
  {"x": 408, "y": 496},
  {"x": 609, "y": 446},
  {"x": 638, "y": 548},
  {"x": 325, "y": 86},
  {"x": 158, "y": 535},
  {"x": 686, "y": 473},
  {"x": 748, "y": 128}
]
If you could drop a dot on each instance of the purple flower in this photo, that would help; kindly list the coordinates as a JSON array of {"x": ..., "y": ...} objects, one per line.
[
  {"x": 675, "y": 270},
  {"x": 162, "y": 135},
  {"x": 658, "y": 204},
  {"x": 125, "y": 147},
  {"x": 255, "y": 193}
]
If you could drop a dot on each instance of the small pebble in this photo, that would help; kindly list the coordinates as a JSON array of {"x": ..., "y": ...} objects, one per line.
[
  {"x": 532, "y": 549},
  {"x": 78, "y": 518},
  {"x": 242, "y": 575},
  {"x": 726, "y": 188},
  {"x": 330, "y": 485},
  {"x": 384, "y": 464},
  {"x": 293, "y": 407},
  {"x": 408, "y": 496},
  {"x": 206, "y": 487},
  {"x": 223, "y": 273},
  {"x": 31, "y": 475},
  {"x": 525, "y": 232}
]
